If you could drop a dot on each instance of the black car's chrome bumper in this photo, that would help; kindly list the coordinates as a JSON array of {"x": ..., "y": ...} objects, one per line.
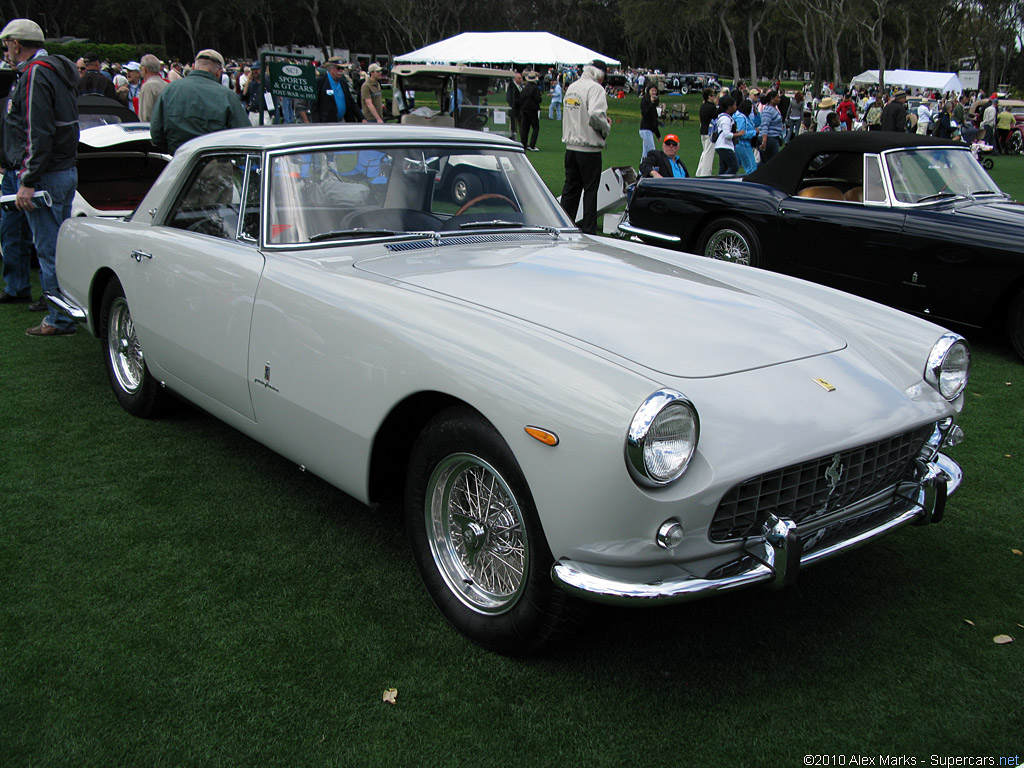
[{"x": 774, "y": 557}]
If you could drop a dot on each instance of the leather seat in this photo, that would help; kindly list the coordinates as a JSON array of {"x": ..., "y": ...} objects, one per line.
[{"x": 821, "y": 192}]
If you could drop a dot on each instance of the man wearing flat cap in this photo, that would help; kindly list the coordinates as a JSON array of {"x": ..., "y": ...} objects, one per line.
[
  {"x": 40, "y": 149},
  {"x": 335, "y": 101},
  {"x": 195, "y": 105}
]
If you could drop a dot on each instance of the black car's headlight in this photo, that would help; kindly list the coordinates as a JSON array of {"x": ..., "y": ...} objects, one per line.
[
  {"x": 949, "y": 366},
  {"x": 662, "y": 438}
]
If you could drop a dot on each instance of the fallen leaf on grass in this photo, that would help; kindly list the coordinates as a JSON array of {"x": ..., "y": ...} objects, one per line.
[
  {"x": 968, "y": 621},
  {"x": 1017, "y": 552},
  {"x": 1002, "y": 639},
  {"x": 391, "y": 694},
  {"x": 1007, "y": 455}
]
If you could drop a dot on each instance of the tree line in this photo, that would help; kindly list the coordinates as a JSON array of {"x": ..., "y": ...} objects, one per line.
[{"x": 749, "y": 39}]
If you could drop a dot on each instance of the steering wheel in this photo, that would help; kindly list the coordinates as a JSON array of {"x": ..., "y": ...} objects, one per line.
[{"x": 487, "y": 196}]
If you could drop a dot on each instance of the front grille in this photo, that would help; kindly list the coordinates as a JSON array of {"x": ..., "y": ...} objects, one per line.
[{"x": 813, "y": 489}]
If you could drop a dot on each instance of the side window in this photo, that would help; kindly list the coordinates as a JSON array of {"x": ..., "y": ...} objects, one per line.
[
  {"x": 874, "y": 187},
  {"x": 253, "y": 194},
  {"x": 212, "y": 200}
]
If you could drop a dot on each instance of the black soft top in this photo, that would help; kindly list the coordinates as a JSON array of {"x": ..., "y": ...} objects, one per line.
[{"x": 785, "y": 171}]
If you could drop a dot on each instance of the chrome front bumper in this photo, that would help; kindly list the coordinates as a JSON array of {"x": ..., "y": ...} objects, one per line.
[{"x": 776, "y": 556}]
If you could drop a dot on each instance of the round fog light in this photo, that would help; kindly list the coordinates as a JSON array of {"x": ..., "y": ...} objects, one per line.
[
  {"x": 670, "y": 534},
  {"x": 955, "y": 436}
]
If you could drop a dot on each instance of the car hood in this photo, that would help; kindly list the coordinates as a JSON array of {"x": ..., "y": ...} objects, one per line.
[
  {"x": 662, "y": 316},
  {"x": 991, "y": 212}
]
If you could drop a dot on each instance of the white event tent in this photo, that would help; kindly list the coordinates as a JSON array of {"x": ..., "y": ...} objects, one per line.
[
  {"x": 504, "y": 48},
  {"x": 909, "y": 78}
]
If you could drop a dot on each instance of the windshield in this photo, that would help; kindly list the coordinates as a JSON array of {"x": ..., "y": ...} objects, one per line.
[
  {"x": 933, "y": 173},
  {"x": 355, "y": 193}
]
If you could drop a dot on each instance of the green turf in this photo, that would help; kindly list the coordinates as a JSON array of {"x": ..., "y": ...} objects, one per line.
[{"x": 171, "y": 593}]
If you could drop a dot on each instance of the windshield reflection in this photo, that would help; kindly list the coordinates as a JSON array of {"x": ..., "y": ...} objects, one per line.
[
  {"x": 348, "y": 194},
  {"x": 925, "y": 174}
]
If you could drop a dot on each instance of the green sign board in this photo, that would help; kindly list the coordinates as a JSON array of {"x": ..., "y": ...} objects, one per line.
[{"x": 297, "y": 81}]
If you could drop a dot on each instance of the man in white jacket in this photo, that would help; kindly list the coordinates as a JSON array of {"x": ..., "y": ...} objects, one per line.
[{"x": 585, "y": 128}]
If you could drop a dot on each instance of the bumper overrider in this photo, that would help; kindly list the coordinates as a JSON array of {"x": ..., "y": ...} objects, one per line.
[{"x": 776, "y": 555}]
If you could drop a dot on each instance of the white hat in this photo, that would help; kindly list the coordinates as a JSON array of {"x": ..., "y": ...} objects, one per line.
[
  {"x": 134, "y": 66},
  {"x": 23, "y": 29}
]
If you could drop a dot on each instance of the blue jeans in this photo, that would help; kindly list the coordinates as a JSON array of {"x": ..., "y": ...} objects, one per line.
[
  {"x": 15, "y": 241},
  {"x": 771, "y": 149},
  {"x": 727, "y": 162},
  {"x": 555, "y": 104},
  {"x": 647, "y": 137},
  {"x": 44, "y": 222}
]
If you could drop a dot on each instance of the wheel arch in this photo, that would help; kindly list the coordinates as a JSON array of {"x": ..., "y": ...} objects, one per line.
[
  {"x": 100, "y": 281},
  {"x": 393, "y": 442}
]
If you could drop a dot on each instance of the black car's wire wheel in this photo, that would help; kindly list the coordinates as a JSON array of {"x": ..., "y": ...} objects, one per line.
[{"x": 732, "y": 240}]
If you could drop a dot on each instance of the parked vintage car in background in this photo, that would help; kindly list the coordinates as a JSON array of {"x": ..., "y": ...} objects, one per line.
[
  {"x": 467, "y": 97},
  {"x": 117, "y": 164},
  {"x": 901, "y": 219},
  {"x": 564, "y": 416}
]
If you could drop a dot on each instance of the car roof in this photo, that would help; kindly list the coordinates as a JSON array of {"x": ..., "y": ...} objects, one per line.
[
  {"x": 785, "y": 170},
  {"x": 286, "y": 136}
]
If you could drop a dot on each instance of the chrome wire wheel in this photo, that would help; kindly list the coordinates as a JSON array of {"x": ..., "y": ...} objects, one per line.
[
  {"x": 476, "y": 533},
  {"x": 728, "y": 245},
  {"x": 126, "y": 360}
]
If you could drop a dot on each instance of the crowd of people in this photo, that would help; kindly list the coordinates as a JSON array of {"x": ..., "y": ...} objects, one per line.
[
  {"x": 746, "y": 127},
  {"x": 743, "y": 128}
]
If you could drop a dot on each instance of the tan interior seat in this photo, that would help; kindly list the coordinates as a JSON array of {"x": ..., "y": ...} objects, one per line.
[
  {"x": 822, "y": 192},
  {"x": 855, "y": 194}
]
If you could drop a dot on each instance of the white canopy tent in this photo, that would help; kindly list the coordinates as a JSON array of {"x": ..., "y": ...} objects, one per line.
[
  {"x": 909, "y": 78},
  {"x": 504, "y": 48}
]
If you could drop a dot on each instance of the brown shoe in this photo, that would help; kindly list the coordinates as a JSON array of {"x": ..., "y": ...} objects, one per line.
[{"x": 45, "y": 329}]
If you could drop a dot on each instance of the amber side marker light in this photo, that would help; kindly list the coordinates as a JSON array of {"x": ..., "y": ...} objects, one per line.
[{"x": 548, "y": 438}]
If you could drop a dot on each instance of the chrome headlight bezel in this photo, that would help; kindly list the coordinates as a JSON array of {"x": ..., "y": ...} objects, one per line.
[
  {"x": 653, "y": 412},
  {"x": 949, "y": 366}
]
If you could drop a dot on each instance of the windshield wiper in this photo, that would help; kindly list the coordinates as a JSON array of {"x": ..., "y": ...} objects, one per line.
[
  {"x": 343, "y": 234},
  {"x": 939, "y": 196},
  {"x": 492, "y": 223}
]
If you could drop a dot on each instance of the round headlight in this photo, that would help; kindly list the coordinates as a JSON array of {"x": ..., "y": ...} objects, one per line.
[
  {"x": 949, "y": 366},
  {"x": 662, "y": 438}
]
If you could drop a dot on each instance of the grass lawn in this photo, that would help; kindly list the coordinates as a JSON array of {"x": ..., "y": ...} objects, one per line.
[{"x": 171, "y": 593}]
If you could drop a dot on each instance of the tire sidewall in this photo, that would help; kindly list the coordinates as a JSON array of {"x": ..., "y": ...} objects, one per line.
[
  {"x": 741, "y": 228},
  {"x": 146, "y": 399},
  {"x": 523, "y": 627}
]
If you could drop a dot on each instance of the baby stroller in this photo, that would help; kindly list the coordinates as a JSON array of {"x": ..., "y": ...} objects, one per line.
[{"x": 980, "y": 149}]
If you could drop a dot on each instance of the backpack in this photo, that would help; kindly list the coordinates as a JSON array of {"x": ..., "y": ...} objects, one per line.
[{"x": 874, "y": 116}]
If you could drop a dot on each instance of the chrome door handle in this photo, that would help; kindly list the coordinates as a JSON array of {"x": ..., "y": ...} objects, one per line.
[{"x": 140, "y": 255}]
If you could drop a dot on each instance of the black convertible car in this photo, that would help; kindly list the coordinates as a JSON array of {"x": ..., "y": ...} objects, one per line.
[{"x": 905, "y": 220}]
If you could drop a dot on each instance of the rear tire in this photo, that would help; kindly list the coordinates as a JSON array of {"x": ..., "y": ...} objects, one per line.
[
  {"x": 134, "y": 386},
  {"x": 476, "y": 537},
  {"x": 732, "y": 240}
]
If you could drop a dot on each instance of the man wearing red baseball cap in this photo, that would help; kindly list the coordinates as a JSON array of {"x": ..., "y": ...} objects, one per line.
[{"x": 664, "y": 163}]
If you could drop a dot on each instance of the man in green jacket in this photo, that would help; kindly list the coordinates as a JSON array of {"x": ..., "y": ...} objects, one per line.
[{"x": 196, "y": 105}]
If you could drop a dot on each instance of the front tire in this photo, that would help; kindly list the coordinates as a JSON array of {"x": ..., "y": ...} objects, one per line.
[
  {"x": 465, "y": 186},
  {"x": 732, "y": 240},
  {"x": 134, "y": 386},
  {"x": 476, "y": 537}
]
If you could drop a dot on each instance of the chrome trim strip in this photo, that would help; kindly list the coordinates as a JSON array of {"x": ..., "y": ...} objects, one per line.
[
  {"x": 64, "y": 305},
  {"x": 774, "y": 553},
  {"x": 630, "y": 229}
]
